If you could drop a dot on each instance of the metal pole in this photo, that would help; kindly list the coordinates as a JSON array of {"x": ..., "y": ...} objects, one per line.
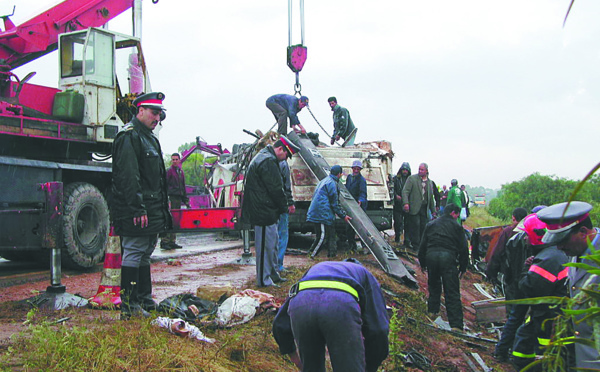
[{"x": 136, "y": 16}]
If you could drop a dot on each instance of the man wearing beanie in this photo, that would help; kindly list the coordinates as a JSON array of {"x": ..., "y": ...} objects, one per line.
[{"x": 322, "y": 211}]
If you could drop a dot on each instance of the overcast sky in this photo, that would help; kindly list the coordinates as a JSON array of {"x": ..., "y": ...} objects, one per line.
[{"x": 487, "y": 92}]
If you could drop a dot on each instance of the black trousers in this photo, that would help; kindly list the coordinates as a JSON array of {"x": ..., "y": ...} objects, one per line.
[
  {"x": 442, "y": 272},
  {"x": 400, "y": 224},
  {"x": 416, "y": 226}
]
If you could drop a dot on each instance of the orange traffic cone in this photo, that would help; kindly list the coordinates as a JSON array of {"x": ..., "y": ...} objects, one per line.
[{"x": 109, "y": 292}]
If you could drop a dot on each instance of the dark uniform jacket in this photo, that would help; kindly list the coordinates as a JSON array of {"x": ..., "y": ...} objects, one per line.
[
  {"x": 546, "y": 276},
  {"x": 264, "y": 198},
  {"x": 444, "y": 234},
  {"x": 375, "y": 326},
  {"x": 138, "y": 182}
]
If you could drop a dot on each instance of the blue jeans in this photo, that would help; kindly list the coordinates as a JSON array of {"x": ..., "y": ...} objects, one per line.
[{"x": 284, "y": 235}]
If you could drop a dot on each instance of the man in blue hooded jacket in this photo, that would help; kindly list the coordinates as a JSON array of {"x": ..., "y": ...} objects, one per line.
[{"x": 323, "y": 208}]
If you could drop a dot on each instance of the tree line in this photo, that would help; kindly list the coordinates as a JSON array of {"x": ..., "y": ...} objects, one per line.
[{"x": 537, "y": 189}]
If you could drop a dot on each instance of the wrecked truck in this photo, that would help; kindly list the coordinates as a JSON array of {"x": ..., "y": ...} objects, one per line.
[{"x": 376, "y": 158}]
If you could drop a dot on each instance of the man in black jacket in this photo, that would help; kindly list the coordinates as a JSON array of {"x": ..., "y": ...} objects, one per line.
[
  {"x": 264, "y": 200},
  {"x": 442, "y": 246},
  {"x": 140, "y": 208},
  {"x": 401, "y": 217}
]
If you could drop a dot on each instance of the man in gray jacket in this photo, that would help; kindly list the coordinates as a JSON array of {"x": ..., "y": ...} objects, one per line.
[{"x": 417, "y": 196}]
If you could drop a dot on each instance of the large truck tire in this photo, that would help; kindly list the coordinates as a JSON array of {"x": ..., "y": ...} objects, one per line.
[{"x": 85, "y": 226}]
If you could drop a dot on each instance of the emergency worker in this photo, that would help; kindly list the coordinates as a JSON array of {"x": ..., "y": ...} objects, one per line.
[
  {"x": 525, "y": 242},
  {"x": 571, "y": 229},
  {"x": 338, "y": 306},
  {"x": 140, "y": 208},
  {"x": 443, "y": 246},
  {"x": 545, "y": 275},
  {"x": 264, "y": 201},
  {"x": 284, "y": 106}
]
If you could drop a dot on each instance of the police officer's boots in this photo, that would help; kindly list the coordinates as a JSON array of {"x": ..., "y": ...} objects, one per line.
[
  {"x": 145, "y": 290},
  {"x": 130, "y": 305}
]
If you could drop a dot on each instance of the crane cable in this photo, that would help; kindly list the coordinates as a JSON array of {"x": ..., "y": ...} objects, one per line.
[{"x": 296, "y": 54}]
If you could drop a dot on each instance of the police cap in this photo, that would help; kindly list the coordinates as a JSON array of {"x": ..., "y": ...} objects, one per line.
[
  {"x": 288, "y": 145},
  {"x": 153, "y": 100},
  {"x": 560, "y": 219}
]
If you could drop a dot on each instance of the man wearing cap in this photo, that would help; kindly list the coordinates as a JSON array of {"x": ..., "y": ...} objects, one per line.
[
  {"x": 140, "y": 207},
  {"x": 357, "y": 186},
  {"x": 338, "y": 306},
  {"x": 417, "y": 199},
  {"x": 343, "y": 127},
  {"x": 571, "y": 229},
  {"x": 323, "y": 208},
  {"x": 442, "y": 247},
  {"x": 538, "y": 270},
  {"x": 284, "y": 106},
  {"x": 264, "y": 201}
]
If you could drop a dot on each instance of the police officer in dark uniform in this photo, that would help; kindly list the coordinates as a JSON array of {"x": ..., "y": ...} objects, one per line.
[
  {"x": 140, "y": 209},
  {"x": 569, "y": 227}
]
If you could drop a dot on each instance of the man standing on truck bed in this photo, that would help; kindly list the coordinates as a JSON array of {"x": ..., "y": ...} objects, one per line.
[
  {"x": 284, "y": 106},
  {"x": 342, "y": 123},
  {"x": 177, "y": 196},
  {"x": 264, "y": 201},
  {"x": 140, "y": 208}
]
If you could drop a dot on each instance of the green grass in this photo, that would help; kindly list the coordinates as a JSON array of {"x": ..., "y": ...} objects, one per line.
[{"x": 480, "y": 217}]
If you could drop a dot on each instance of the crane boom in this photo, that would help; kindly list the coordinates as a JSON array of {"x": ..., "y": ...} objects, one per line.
[{"x": 39, "y": 35}]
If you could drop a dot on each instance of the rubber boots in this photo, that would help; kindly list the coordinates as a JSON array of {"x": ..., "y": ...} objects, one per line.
[
  {"x": 145, "y": 290},
  {"x": 130, "y": 305}
]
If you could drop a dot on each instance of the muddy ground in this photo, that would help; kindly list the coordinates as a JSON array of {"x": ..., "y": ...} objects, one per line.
[{"x": 216, "y": 269}]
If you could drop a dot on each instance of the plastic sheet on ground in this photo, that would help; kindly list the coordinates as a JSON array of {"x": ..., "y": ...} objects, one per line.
[
  {"x": 243, "y": 306},
  {"x": 181, "y": 328}
]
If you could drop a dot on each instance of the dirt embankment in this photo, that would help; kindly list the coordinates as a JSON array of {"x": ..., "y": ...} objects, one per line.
[{"x": 413, "y": 332}]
